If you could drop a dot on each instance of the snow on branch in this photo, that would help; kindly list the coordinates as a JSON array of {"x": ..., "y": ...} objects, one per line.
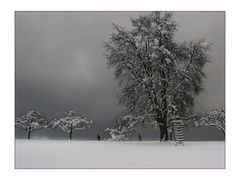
[
  {"x": 215, "y": 118},
  {"x": 30, "y": 121},
  {"x": 124, "y": 127},
  {"x": 72, "y": 122},
  {"x": 155, "y": 73}
]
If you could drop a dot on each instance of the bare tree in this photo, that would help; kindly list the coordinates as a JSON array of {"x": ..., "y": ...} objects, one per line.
[
  {"x": 71, "y": 122},
  {"x": 31, "y": 121},
  {"x": 215, "y": 118},
  {"x": 156, "y": 74}
]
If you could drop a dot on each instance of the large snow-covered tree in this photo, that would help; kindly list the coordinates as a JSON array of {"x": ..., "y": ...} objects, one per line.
[
  {"x": 156, "y": 74},
  {"x": 71, "y": 122},
  {"x": 31, "y": 121}
]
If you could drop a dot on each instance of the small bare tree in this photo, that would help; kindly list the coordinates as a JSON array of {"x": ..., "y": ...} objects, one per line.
[
  {"x": 30, "y": 121},
  {"x": 215, "y": 118},
  {"x": 71, "y": 122}
]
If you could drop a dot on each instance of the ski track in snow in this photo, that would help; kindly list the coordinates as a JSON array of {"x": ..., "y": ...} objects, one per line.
[{"x": 110, "y": 154}]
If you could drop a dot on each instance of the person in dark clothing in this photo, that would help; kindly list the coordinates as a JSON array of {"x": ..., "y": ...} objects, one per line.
[
  {"x": 139, "y": 137},
  {"x": 98, "y": 137}
]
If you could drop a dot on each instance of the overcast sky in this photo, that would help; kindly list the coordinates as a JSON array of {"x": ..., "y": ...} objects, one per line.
[{"x": 60, "y": 63}]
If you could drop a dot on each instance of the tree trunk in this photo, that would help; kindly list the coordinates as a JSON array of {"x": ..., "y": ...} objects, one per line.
[
  {"x": 164, "y": 128},
  {"x": 29, "y": 134},
  {"x": 163, "y": 132},
  {"x": 173, "y": 133},
  {"x": 171, "y": 136},
  {"x": 70, "y": 135},
  {"x": 160, "y": 134}
]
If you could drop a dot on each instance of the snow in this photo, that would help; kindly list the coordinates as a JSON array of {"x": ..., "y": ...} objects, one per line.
[{"x": 110, "y": 154}]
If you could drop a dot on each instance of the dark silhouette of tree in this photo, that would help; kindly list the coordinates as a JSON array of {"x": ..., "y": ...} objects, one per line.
[
  {"x": 98, "y": 137},
  {"x": 139, "y": 137},
  {"x": 157, "y": 75}
]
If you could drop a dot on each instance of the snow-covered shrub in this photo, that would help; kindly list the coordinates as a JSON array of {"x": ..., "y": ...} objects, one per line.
[{"x": 124, "y": 127}]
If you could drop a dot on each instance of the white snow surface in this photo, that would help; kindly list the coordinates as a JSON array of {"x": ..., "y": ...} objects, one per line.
[{"x": 111, "y": 154}]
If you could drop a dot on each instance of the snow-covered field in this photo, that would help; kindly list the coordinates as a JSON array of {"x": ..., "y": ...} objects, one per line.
[{"x": 108, "y": 154}]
